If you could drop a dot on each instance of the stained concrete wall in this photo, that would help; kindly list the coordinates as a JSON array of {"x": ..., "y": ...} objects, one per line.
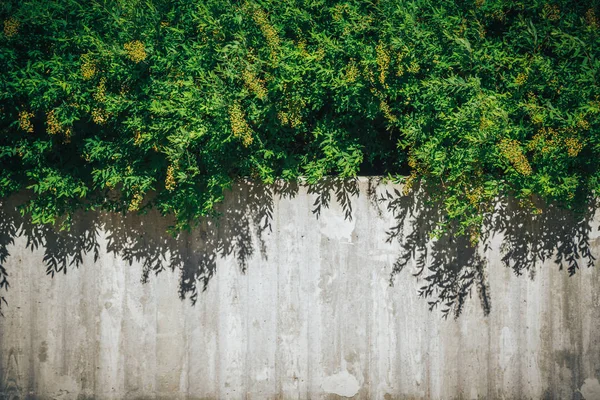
[{"x": 288, "y": 296}]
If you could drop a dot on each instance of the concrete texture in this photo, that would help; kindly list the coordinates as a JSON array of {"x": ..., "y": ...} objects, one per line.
[{"x": 288, "y": 296}]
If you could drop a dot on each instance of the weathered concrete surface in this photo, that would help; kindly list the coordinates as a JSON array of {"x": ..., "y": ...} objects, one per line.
[{"x": 301, "y": 310}]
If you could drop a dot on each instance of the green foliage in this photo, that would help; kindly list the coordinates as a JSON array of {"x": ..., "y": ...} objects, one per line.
[{"x": 124, "y": 105}]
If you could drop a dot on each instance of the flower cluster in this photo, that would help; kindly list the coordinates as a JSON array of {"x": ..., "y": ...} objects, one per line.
[
  {"x": 88, "y": 66},
  {"x": 352, "y": 72},
  {"x": 11, "y": 27},
  {"x": 239, "y": 126},
  {"x": 293, "y": 115},
  {"x": 475, "y": 195},
  {"x": 137, "y": 138},
  {"x": 135, "y": 51},
  {"x": 548, "y": 139},
  {"x": 387, "y": 112},
  {"x": 170, "y": 182},
  {"x": 414, "y": 67},
  {"x": 99, "y": 116},
  {"x": 383, "y": 61},
  {"x": 254, "y": 84},
  {"x": 136, "y": 201},
  {"x": 399, "y": 60},
  {"x": 573, "y": 146},
  {"x": 591, "y": 19},
  {"x": 409, "y": 183},
  {"x": 511, "y": 150},
  {"x": 100, "y": 95},
  {"x": 25, "y": 121},
  {"x": 583, "y": 124},
  {"x": 262, "y": 20},
  {"x": 520, "y": 79},
  {"x": 551, "y": 12},
  {"x": 54, "y": 126}
]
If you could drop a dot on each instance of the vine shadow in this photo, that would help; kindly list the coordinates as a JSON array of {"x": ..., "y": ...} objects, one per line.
[
  {"x": 243, "y": 219},
  {"x": 452, "y": 268}
]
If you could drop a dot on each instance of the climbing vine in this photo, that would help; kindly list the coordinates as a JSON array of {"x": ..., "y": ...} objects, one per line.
[{"x": 125, "y": 105}]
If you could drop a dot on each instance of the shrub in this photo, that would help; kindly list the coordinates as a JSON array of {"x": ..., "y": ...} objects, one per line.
[{"x": 124, "y": 105}]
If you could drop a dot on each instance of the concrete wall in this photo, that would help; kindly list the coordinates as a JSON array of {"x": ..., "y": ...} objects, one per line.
[{"x": 289, "y": 296}]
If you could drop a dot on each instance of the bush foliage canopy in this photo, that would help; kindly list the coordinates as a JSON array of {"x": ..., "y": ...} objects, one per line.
[{"x": 124, "y": 105}]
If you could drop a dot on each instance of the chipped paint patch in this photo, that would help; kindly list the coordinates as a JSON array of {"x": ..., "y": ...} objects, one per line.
[
  {"x": 343, "y": 384},
  {"x": 590, "y": 389}
]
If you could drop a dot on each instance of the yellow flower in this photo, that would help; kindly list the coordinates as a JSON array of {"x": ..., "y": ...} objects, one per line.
[
  {"x": 583, "y": 124},
  {"x": 255, "y": 85},
  {"x": 414, "y": 67},
  {"x": 11, "y": 27},
  {"x": 53, "y": 124},
  {"x": 99, "y": 116},
  {"x": 270, "y": 33},
  {"x": 574, "y": 146},
  {"x": 170, "y": 182},
  {"x": 485, "y": 123},
  {"x": 100, "y": 94},
  {"x": 68, "y": 134},
  {"x": 137, "y": 138},
  {"x": 387, "y": 112},
  {"x": 551, "y": 12},
  {"x": 591, "y": 19},
  {"x": 383, "y": 61},
  {"x": 135, "y": 51},
  {"x": 136, "y": 201},
  {"x": 88, "y": 66},
  {"x": 352, "y": 72},
  {"x": 239, "y": 126},
  {"x": 511, "y": 150},
  {"x": 409, "y": 183},
  {"x": 25, "y": 121},
  {"x": 520, "y": 79}
]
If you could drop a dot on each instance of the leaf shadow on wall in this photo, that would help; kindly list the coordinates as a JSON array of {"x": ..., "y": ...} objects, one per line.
[
  {"x": 451, "y": 268},
  {"x": 245, "y": 217}
]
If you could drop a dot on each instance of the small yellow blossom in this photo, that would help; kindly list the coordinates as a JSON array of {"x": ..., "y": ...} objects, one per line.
[
  {"x": 383, "y": 61},
  {"x": 352, "y": 72},
  {"x": 136, "y": 201},
  {"x": 68, "y": 134},
  {"x": 137, "y": 138},
  {"x": 573, "y": 146},
  {"x": 521, "y": 79},
  {"x": 135, "y": 51},
  {"x": 387, "y": 112},
  {"x": 414, "y": 67},
  {"x": 273, "y": 41},
  {"x": 99, "y": 116},
  {"x": 583, "y": 124},
  {"x": 11, "y": 27},
  {"x": 53, "y": 125},
  {"x": 239, "y": 126},
  {"x": 88, "y": 66},
  {"x": 551, "y": 12},
  {"x": 475, "y": 195},
  {"x": 100, "y": 95},
  {"x": 254, "y": 84},
  {"x": 409, "y": 183},
  {"x": 591, "y": 19},
  {"x": 511, "y": 150},
  {"x": 170, "y": 182},
  {"x": 25, "y": 121}
]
